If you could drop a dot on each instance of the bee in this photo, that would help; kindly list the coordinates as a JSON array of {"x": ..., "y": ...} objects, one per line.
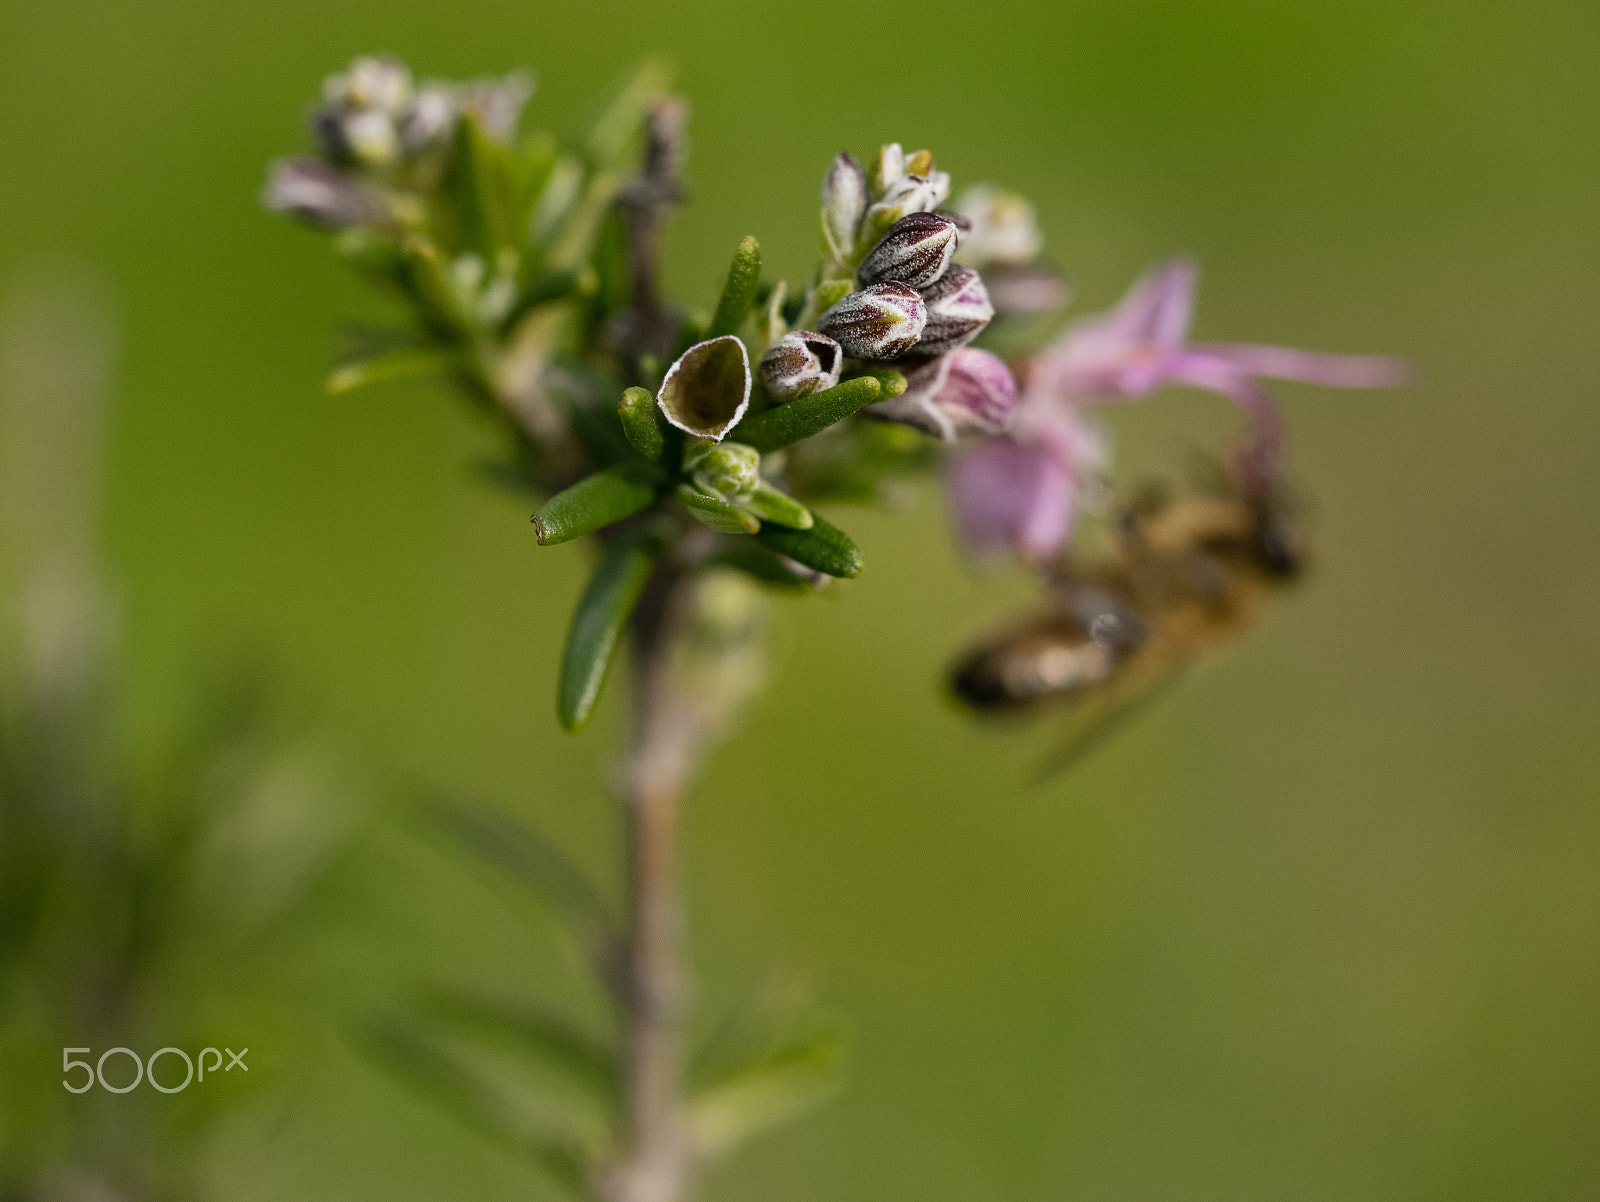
[{"x": 1181, "y": 579}]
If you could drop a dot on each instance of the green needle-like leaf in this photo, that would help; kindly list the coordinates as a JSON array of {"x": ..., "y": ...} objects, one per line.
[
  {"x": 595, "y": 501},
  {"x": 824, "y": 548},
  {"x": 783, "y": 425},
  {"x": 483, "y": 189},
  {"x": 641, "y": 422},
  {"x": 603, "y": 610},
  {"x": 716, "y": 513},
  {"x": 750, "y": 557},
  {"x": 739, "y": 293},
  {"x": 536, "y": 863},
  {"x": 402, "y": 364}
]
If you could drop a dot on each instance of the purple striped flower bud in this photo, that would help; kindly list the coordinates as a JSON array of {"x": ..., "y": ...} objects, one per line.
[
  {"x": 844, "y": 200},
  {"x": 801, "y": 363},
  {"x": 958, "y": 308},
  {"x": 320, "y": 193},
  {"x": 883, "y": 321},
  {"x": 915, "y": 251}
]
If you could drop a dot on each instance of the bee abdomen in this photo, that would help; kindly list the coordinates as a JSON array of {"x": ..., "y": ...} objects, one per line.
[{"x": 1051, "y": 656}]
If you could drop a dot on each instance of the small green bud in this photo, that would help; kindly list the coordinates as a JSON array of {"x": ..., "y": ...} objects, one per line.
[
  {"x": 641, "y": 423},
  {"x": 771, "y": 505},
  {"x": 728, "y": 470},
  {"x": 719, "y": 515}
]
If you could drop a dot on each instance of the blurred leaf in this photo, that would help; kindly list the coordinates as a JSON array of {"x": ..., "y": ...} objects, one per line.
[
  {"x": 739, "y": 292},
  {"x": 532, "y": 859},
  {"x": 597, "y": 624},
  {"x": 567, "y": 1154},
  {"x": 593, "y": 502},
  {"x": 482, "y": 181},
  {"x": 553, "y": 1042},
  {"x": 750, "y": 557},
  {"x": 782, "y": 425},
  {"x": 613, "y": 131},
  {"x": 824, "y": 547},
  {"x": 401, "y": 364},
  {"x": 780, "y": 1084}
]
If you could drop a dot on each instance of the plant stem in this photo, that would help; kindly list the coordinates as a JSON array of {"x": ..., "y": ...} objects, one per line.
[
  {"x": 662, "y": 748},
  {"x": 665, "y": 740}
]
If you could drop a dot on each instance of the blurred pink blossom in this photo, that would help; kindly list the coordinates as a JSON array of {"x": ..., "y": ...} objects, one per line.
[{"x": 1018, "y": 491}]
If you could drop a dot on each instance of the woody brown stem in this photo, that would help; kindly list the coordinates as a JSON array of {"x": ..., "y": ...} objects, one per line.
[{"x": 655, "y": 1163}]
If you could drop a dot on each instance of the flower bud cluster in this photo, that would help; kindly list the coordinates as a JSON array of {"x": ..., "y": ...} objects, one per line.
[
  {"x": 378, "y": 136},
  {"x": 885, "y": 228}
]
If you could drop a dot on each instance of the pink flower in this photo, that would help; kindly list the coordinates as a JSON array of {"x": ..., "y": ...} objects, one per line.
[
  {"x": 962, "y": 391},
  {"x": 1019, "y": 492},
  {"x": 1141, "y": 344}
]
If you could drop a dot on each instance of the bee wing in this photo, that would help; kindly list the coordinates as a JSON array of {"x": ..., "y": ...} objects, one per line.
[{"x": 1116, "y": 701}]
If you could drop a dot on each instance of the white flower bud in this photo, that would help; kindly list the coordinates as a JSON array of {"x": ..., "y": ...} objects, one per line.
[
  {"x": 844, "y": 200},
  {"x": 908, "y": 194},
  {"x": 887, "y": 168},
  {"x": 378, "y": 82},
  {"x": 1004, "y": 230}
]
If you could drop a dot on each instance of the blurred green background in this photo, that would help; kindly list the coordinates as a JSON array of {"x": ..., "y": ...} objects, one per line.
[{"x": 1324, "y": 924}]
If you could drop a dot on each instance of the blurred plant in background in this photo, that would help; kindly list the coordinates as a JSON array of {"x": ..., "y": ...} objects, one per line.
[
  {"x": 695, "y": 444},
  {"x": 142, "y": 905}
]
